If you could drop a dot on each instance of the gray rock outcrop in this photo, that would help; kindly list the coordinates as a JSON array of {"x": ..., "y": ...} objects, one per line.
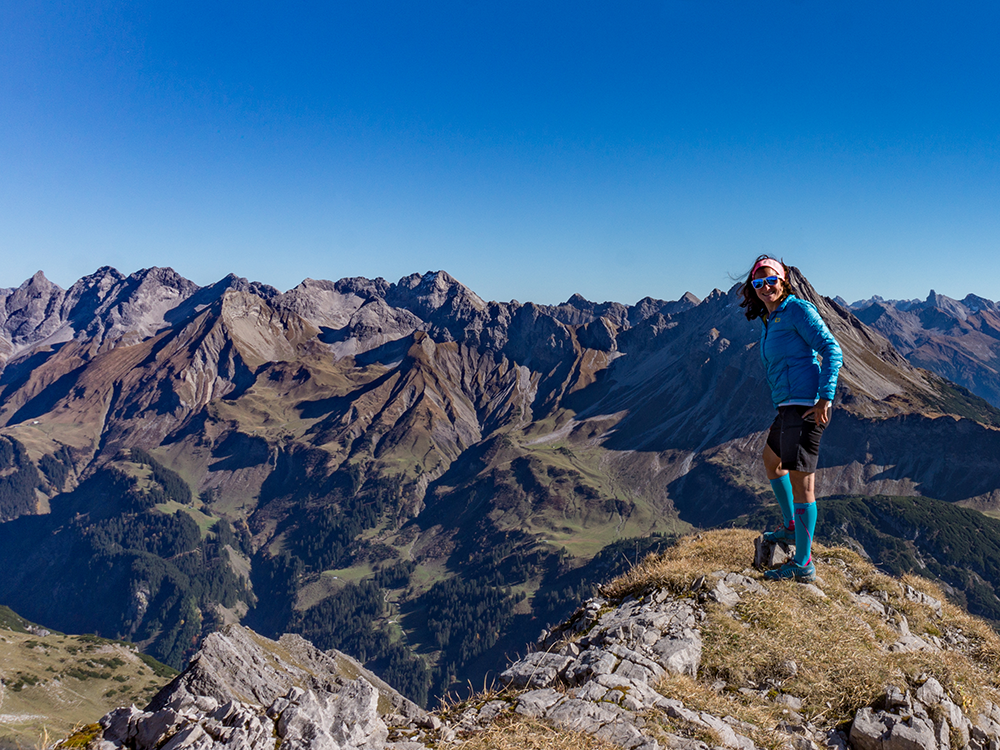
[
  {"x": 924, "y": 719},
  {"x": 246, "y": 692},
  {"x": 600, "y": 675}
]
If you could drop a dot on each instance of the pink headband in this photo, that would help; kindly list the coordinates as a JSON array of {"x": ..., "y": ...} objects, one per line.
[{"x": 779, "y": 270}]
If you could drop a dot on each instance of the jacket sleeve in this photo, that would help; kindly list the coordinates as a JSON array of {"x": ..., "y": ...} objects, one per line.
[{"x": 812, "y": 328}]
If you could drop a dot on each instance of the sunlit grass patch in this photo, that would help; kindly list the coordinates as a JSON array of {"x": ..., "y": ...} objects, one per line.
[
  {"x": 692, "y": 557},
  {"x": 514, "y": 732},
  {"x": 826, "y": 650}
]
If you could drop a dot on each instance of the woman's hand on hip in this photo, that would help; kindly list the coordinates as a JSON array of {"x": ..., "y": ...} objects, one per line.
[{"x": 821, "y": 411}]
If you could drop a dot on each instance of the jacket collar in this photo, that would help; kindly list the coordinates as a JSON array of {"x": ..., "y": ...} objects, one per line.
[{"x": 780, "y": 307}]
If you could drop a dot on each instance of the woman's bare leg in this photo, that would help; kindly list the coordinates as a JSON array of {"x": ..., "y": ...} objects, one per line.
[
  {"x": 772, "y": 464},
  {"x": 803, "y": 486}
]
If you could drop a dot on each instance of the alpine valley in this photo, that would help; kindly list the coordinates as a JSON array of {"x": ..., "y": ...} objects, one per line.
[{"x": 425, "y": 480}]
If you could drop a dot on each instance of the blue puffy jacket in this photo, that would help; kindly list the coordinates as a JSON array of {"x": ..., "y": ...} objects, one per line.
[{"x": 790, "y": 340}]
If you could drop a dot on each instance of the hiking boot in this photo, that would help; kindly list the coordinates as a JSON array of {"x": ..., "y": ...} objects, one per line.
[
  {"x": 792, "y": 570},
  {"x": 784, "y": 535}
]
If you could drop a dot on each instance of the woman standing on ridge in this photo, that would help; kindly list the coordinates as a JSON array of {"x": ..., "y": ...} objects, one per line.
[{"x": 802, "y": 391}]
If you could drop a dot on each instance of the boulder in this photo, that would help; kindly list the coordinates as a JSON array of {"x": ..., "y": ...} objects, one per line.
[
  {"x": 341, "y": 721},
  {"x": 770, "y": 554}
]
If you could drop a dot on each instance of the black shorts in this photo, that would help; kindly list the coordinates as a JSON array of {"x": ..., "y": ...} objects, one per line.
[{"x": 795, "y": 440}]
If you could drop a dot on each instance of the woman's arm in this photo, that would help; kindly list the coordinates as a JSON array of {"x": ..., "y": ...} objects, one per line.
[{"x": 815, "y": 332}]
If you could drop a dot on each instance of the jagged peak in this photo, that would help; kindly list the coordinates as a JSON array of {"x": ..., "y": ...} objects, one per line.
[
  {"x": 105, "y": 275},
  {"x": 940, "y": 300},
  {"x": 686, "y": 298},
  {"x": 650, "y": 307},
  {"x": 577, "y": 299},
  {"x": 359, "y": 285},
  {"x": 432, "y": 281},
  {"x": 38, "y": 282},
  {"x": 362, "y": 286},
  {"x": 88, "y": 292},
  {"x": 975, "y": 303},
  {"x": 861, "y": 304},
  {"x": 164, "y": 276},
  {"x": 898, "y": 304},
  {"x": 241, "y": 283},
  {"x": 31, "y": 312},
  {"x": 947, "y": 305},
  {"x": 330, "y": 305},
  {"x": 426, "y": 294},
  {"x": 308, "y": 284}
]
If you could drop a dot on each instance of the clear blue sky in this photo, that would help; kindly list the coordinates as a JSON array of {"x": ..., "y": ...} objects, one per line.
[{"x": 531, "y": 149}]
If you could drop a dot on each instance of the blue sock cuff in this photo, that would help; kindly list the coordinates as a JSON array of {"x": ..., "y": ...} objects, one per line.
[
  {"x": 782, "y": 487},
  {"x": 805, "y": 525}
]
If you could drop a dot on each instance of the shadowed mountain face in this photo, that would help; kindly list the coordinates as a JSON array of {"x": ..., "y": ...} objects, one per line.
[
  {"x": 403, "y": 471},
  {"x": 957, "y": 339}
]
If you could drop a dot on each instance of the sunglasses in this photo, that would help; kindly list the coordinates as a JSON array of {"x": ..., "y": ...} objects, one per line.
[{"x": 769, "y": 280}]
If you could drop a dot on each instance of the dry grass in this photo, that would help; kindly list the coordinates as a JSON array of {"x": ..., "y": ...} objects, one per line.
[
  {"x": 697, "y": 694},
  {"x": 691, "y": 557},
  {"x": 839, "y": 650},
  {"x": 514, "y": 732},
  {"x": 838, "y": 665},
  {"x": 81, "y": 738}
]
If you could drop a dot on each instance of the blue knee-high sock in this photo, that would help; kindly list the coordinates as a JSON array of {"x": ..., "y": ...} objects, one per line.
[
  {"x": 782, "y": 487},
  {"x": 805, "y": 524}
]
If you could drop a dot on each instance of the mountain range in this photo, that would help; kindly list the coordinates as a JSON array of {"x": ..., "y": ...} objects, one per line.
[
  {"x": 958, "y": 339},
  {"x": 407, "y": 472}
]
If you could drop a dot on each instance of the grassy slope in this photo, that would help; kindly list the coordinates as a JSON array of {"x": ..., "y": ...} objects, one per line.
[{"x": 55, "y": 682}]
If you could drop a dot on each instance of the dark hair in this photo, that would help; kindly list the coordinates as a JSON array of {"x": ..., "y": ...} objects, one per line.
[{"x": 754, "y": 307}]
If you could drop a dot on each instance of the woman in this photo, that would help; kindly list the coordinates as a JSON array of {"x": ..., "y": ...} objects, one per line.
[{"x": 802, "y": 391}]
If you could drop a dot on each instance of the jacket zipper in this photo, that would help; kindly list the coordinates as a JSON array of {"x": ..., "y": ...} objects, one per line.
[{"x": 763, "y": 341}]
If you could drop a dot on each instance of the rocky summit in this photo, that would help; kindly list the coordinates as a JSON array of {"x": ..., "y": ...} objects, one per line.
[{"x": 678, "y": 653}]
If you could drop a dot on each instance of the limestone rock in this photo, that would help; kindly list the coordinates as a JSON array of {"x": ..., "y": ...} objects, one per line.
[
  {"x": 536, "y": 670},
  {"x": 914, "y": 734},
  {"x": 921, "y": 598},
  {"x": 868, "y": 729},
  {"x": 607, "y": 674},
  {"x": 341, "y": 721},
  {"x": 241, "y": 691},
  {"x": 237, "y": 664},
  {"x": 930, "y": 693},
  {"x": 770, "y": 554}
]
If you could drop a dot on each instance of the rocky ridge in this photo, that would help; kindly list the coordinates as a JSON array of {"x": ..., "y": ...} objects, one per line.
[
  {"x": 242, "y": 691},
  {"x": 958, "y": 339},
  {"x": 666, "y": 657}
]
